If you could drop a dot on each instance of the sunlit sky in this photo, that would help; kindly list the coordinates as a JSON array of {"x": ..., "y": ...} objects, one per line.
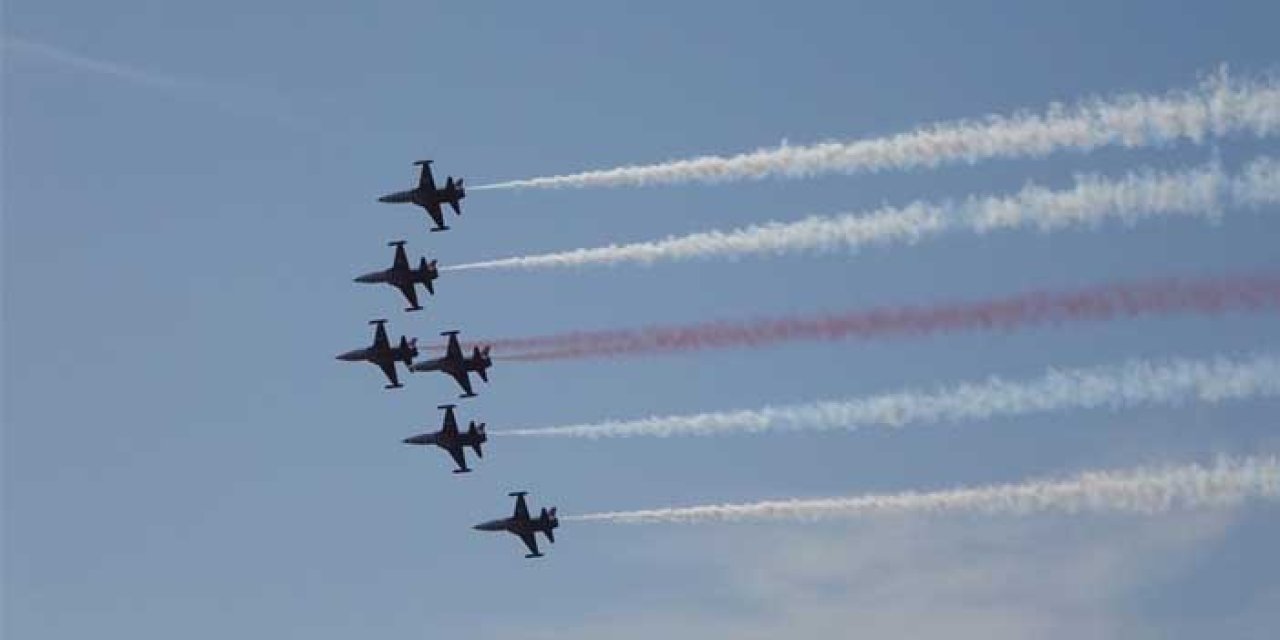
[{"x": 189, "y": 188}]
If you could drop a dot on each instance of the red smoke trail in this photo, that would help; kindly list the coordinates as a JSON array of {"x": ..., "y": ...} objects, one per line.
[{"x": 1209, "y": 296}]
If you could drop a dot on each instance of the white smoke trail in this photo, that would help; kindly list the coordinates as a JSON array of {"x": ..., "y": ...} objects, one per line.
[
  {"x": 1202, "y": 192},
  {"x": 1219, "y": 106},
  {"x": 1144, "y": 490},
  {"x": 1131, "y": 384}
]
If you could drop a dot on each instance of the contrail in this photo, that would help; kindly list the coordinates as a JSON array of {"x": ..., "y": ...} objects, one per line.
[
  {"x": 102, "y": 67},
  {"x": 234, "y": 99},
  {"x": 1144, "y": 490},
  {"x": 1219, "y": 106},
  {"x": 1211, "y": 296},
  {"x": 1204, "y": 192},
  {"x": 1131, "y": 384}
]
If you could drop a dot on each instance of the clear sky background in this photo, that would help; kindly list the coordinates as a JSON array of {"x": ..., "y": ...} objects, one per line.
[{"x": 186, "y": 202}]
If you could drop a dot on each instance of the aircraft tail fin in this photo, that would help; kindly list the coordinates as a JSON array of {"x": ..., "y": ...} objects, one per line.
[
  {"x": 480, "y": 356},
  {"x": 429, "y": 272},
  {"x": 549, "y": 518}
]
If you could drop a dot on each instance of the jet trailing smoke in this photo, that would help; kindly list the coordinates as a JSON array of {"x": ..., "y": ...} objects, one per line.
[
  {"x": 1220, "y": 106},
  {"x": 1135, "y": 383},
  {"x": 1205, "y": 192},
  {"x": 1145, "y": 490},
  {"x": 1206, "y": 296}
]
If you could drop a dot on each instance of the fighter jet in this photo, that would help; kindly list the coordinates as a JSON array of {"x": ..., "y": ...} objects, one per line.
[
  {"x": 451, "y": 440},
  {"x": 522, "y": 525},
  {"x": 458, "y": 366},
  {"x": 404, "y": 277},
  {"x": 383, "y": 354},
  {"x": 427, "y": 196}
]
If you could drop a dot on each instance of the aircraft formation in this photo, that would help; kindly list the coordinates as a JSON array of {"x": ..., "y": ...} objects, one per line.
[{"x": 454, "y": 363}]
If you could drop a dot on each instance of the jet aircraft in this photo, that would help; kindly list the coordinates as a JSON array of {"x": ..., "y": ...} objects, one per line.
[
  {"x": 429, "y": 197},
  {"x": 453, "y": 441},
  {"x": 404, "y": 277},
  {"x": 459, "y": 366},
  {"x": 522, "y": 525},
  {"x": 383, "y": 354}
]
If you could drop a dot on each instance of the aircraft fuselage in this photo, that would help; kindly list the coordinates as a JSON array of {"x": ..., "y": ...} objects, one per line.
[
  {"x": 515, "y": 526},
  {"x": 411, "y": 195},
  {"x": 464, "y": 438},
  {"x": 446, "y": 365},
  {"x": 424, "y": 197},
  {"x": 373, "y": 354},
  {"x": 393, "y": 277}
]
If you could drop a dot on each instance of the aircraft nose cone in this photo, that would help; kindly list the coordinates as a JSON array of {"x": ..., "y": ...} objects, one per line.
[
  {"x": 368, "y": 277},
  {"x": 384, "y": 199},
  {"x": 349, "y": 356}
]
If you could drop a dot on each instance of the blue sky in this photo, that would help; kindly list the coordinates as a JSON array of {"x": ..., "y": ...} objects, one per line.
[{"x": 183, "y": 456}]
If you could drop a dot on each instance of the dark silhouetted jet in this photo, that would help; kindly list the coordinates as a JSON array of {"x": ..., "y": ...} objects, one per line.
[
  {"x": 457, "y": 365},
  {"x": 427, "y": 196},
  {"x": 383, "y": 354},
  {"x": 404, "y": 277},
  {"x": 453, "y": 441},
  {"x": 522, "y": 525}
]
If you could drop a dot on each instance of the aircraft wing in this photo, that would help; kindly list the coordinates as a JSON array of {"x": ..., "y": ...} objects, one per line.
[
  {"x": 436, "y": 213},
  {"x": 425, "y": 179},
  {"x": 464, "y": 381},
  {"x": 402, "y": 260},
  {"x": 531, "y": 542},
  {"x": 389, "y": 369},
  {"x": 450, "y": 422},
  {"x": 410, "y": 294},
  {"x": 454, "y": 351},
  {"x": 380, "y": 337},
  {"x": 458, "y": 455},
  {"x": 522, "y": 513}
]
